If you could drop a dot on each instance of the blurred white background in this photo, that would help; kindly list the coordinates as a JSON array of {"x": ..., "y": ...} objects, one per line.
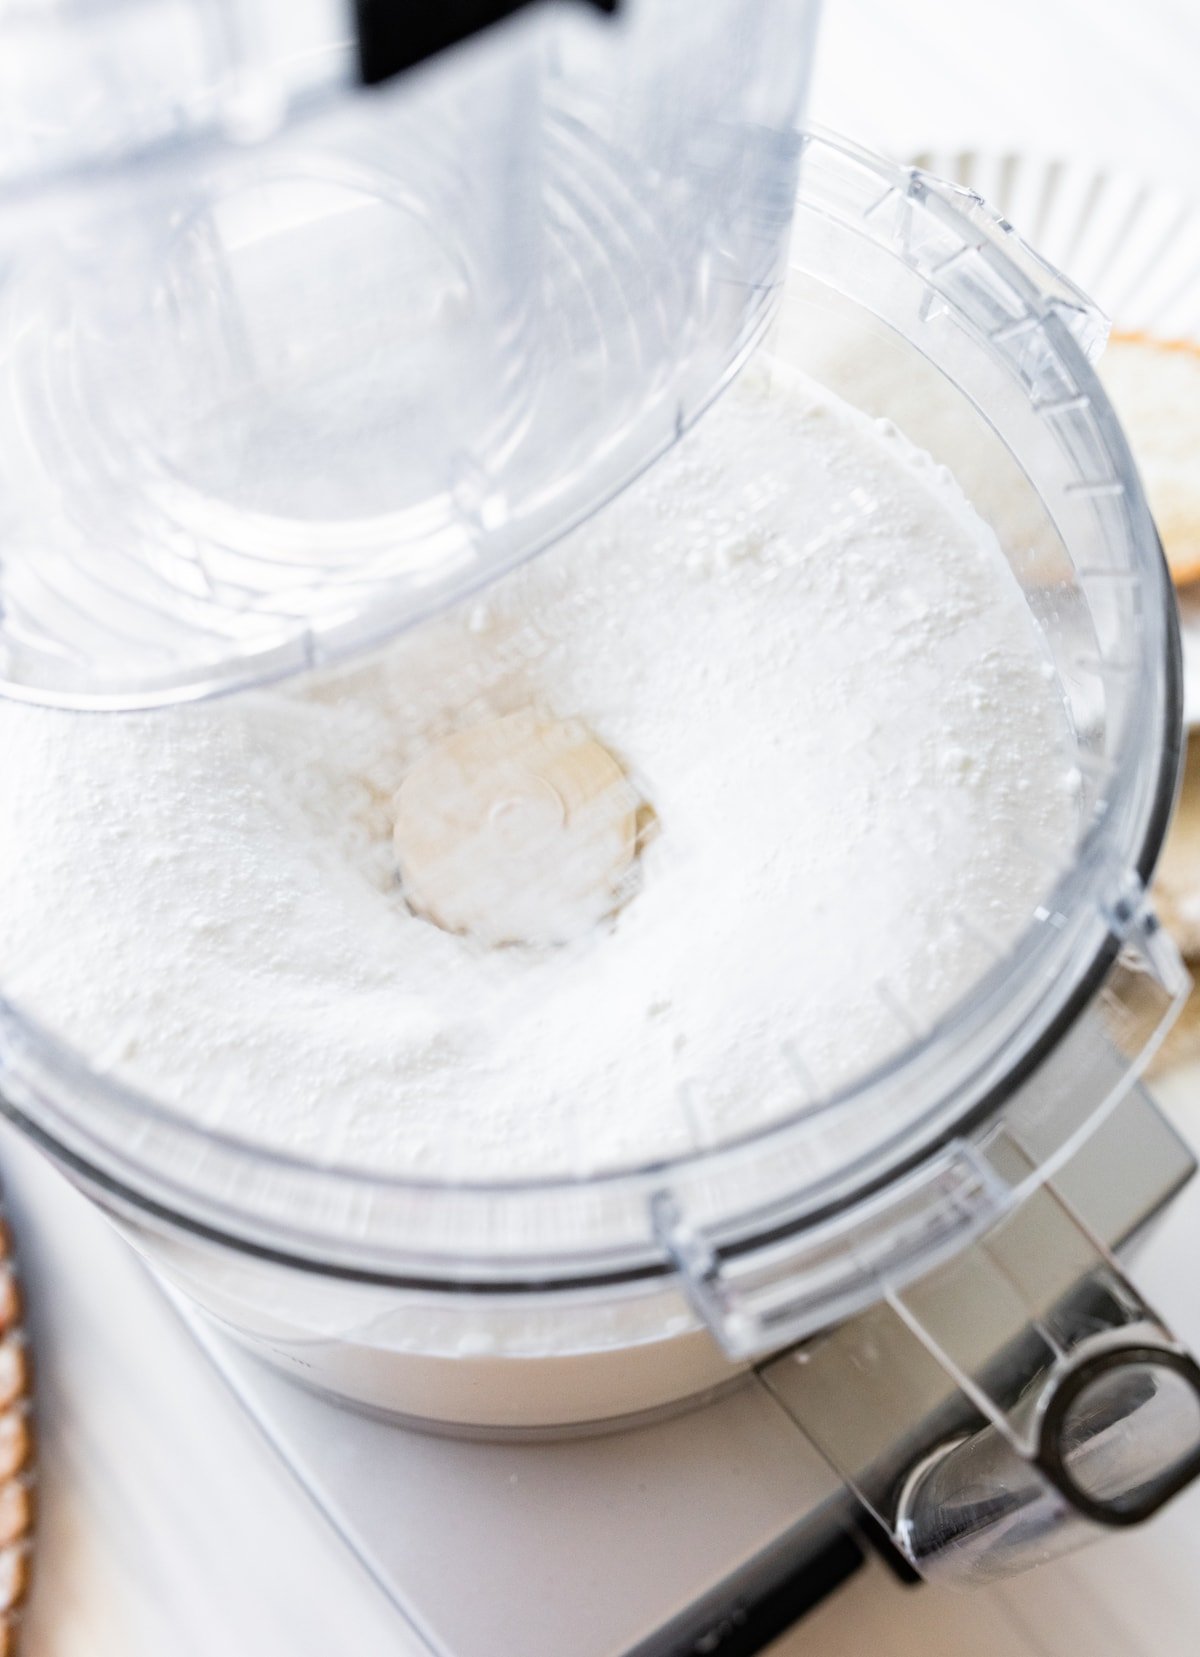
[{"x": 1110, "y": 81}]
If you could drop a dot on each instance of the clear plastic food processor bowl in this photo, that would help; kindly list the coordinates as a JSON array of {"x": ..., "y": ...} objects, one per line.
[
  {"x": 169, "y": 565},
  {"x": 376, "y": 1284}
]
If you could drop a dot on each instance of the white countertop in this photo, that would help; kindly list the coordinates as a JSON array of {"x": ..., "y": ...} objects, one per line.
[{"x": 166, "y": 1525}]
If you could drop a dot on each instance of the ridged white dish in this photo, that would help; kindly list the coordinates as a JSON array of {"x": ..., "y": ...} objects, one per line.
[{"x": 1133, "y": 245}]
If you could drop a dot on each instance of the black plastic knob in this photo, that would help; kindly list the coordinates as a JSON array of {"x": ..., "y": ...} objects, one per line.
[{"x": 393, "y": 35}]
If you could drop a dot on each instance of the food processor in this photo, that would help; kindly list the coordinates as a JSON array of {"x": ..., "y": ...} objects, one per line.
[{"x": 318, "y": 321}]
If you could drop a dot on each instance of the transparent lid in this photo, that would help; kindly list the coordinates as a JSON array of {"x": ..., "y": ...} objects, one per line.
[
  {"x": 289, "y": 363},
  {"x": 796, "y": 805}
]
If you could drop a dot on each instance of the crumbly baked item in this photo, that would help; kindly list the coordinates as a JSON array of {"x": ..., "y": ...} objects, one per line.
[
  {"x": 1155, "y": 388},
  {"x": 1177, "y": 880},
  {"x": 16, "y": 1454}
]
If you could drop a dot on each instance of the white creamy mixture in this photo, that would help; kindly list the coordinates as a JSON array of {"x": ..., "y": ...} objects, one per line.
[{"x": 815, "y": 667}]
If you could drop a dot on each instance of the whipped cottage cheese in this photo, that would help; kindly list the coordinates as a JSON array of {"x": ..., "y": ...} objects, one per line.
[{"x": 815, "y": 668}]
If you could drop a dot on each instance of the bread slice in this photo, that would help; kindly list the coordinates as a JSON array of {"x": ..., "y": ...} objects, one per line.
[
  {"x": 1177, "y": 879},
  {"x": 1155, "y": 388}
]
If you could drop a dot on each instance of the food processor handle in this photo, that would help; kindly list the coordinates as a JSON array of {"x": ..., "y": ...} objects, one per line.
[
  {"x": 1119, "y": 1436},
  {"x": 1053, "y": 1402}
]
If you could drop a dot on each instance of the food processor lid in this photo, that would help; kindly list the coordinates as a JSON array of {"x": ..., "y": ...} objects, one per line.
[{"x": 290, "y": 361}]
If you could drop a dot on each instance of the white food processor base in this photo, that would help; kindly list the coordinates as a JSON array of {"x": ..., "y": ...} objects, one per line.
[{"x": 709, "y": 1532}]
